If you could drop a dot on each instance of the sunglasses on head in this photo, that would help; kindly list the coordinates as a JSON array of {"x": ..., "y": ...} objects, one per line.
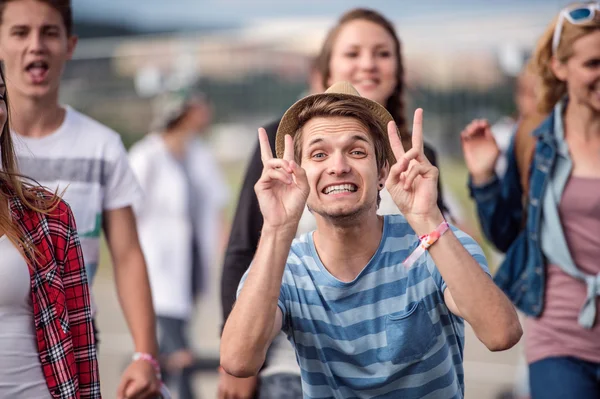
[{"x": 575, "y": 15}]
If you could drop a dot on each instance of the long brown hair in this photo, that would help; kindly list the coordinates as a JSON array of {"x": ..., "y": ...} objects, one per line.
[
  {"x": 395, "y": 103},
  {"x": 551, "y": 89},
  {"x": 12, "y": 184}
]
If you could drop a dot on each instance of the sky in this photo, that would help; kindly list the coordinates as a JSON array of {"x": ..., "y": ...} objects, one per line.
[{"x": 187, "y": 14}]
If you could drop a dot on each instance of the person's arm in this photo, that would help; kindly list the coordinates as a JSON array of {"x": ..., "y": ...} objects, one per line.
[
  {"x": 257, "y": 316},
  {"x": 133, "y": 290},
  {"x": 77, "y": 295},
  {"x": 131, "y": 278},
  {"x": 470, "y": 292},
  {"x": 244, "y": 233},
  {"x": 499, "y": 203},
  {"x": 122, "y": 190}
]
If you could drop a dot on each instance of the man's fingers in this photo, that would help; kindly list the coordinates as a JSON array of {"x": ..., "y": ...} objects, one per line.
[
  {"x": 417, "y": 132},
  {"x": 137, "y": 390},
  {"x": 412, "y": 155},
  {"x": 276, "y": 163},
  {"x": 279, "y": 175},
  {"x": 288, "y": 151},
  {"x": 298, "y": 174},
  {"x": 477, "y": 127},
  {"x": 411, "y": 175},
  {"x": 395, "y": 142},
  {"x": 122, "y": 387},
  {"x": 265, "y": 148}
]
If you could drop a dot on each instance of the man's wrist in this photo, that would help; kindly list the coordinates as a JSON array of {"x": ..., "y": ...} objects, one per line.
[
  {"x": 149, "y": 349},
  {"x": 281, "y": 230},
  {"x": 146, "y": 357},
  {"x": 426, "y": 223}
]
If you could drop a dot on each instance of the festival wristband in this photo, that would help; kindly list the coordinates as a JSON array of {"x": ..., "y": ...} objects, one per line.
[
  {"x": 150, "y": 359},
  {"x": 164, "y": 392},
  {"x": 426, "y": 241}
]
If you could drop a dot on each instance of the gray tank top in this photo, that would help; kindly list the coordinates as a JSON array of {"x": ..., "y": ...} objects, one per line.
[{"x": 21, "y": 374}]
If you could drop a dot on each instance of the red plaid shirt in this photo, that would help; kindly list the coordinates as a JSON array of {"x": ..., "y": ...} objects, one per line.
[{"x": 61, "y": 301}]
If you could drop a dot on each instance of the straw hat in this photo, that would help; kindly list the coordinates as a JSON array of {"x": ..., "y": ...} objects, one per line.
[{"x": 338, "y": 91}]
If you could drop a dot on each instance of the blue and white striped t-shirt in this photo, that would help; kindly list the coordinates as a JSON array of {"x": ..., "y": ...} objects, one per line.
[{"x": 387, "y": 334}]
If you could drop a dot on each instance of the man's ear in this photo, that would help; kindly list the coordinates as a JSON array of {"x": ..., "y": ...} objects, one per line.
[
  {"x": 71, "y": 44},
  {"x": 383, "y": 173}
]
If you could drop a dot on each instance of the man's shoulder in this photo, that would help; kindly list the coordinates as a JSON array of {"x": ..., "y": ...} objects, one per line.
[{"x": 93, "y": 129}]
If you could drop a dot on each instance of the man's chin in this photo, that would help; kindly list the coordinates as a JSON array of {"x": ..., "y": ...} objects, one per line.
[{"x": 340, "y": 215}]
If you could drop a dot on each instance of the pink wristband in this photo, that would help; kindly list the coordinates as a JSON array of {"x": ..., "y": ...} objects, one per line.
[
  {"x": 426, "y": 241},
  {"x": 164, "y": 392},
  {"x": 150, "y": 359}
]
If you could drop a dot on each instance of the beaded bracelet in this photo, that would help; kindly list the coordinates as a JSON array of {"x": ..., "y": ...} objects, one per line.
[{"x": 426, "y": 241}]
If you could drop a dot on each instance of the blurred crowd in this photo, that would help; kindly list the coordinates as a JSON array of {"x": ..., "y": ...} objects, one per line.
[{"x": 162, "y": 205}]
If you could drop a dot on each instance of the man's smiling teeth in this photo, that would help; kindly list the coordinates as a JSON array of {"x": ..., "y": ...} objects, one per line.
[{"x": 340, "y": 188}]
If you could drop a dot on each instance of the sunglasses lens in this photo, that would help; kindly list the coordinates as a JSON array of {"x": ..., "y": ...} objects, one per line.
[{"x": 580, "y": 14}]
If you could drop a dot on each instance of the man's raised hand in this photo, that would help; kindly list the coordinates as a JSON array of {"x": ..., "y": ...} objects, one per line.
[
  {"x": 412, "y": 182},
  {"x": 282, "y": 189}
]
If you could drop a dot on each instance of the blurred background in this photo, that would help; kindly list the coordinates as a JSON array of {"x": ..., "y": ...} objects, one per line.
[{"x": 252, "y": 59}]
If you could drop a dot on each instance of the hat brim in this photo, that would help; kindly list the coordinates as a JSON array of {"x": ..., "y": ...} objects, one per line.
[{"x": 289, "y": 121}]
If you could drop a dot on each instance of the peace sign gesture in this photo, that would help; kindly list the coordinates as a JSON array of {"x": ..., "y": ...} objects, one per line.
[
  {"x": 282, "y": 189},
  {"x": 412, "y": 182}
]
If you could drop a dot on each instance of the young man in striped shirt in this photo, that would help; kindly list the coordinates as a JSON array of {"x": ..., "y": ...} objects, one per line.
[{"x": 371, "y": 310}]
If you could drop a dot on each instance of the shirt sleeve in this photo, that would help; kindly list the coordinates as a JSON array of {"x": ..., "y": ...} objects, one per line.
[
  {"x": 470, "y": 245},
  {"x": 77, "y": 296},
  {"x": 121, "y": 186},
  {"x": 142, "y": 166}
]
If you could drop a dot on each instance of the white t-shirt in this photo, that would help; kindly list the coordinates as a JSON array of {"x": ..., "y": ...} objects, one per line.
[
  {"x": 20, "y": 369},
  {"x": 88, "y": 161}
]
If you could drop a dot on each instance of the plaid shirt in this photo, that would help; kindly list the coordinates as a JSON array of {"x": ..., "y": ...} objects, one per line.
[{"x": 61, "y": 301}]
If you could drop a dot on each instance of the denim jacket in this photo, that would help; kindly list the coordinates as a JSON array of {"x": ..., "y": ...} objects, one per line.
[{"x": 522, "y": 274}]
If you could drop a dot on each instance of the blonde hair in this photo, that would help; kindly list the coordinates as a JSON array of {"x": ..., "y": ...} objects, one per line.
[{"x": 550, "y": 88}]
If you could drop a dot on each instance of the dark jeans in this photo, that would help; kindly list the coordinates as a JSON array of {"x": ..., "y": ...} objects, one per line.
[
  {"x": 564, "y": 377},
  {"x": 172, "y": 338},
  {"x": 280, "y": 386}
]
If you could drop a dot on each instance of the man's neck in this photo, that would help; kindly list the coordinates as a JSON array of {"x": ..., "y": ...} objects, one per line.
[
  {"x": 33, "y": 117},
  {"x": 346, "y": 250}
]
